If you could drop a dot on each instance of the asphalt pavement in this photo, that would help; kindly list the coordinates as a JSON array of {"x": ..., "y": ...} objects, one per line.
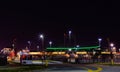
[{"x": 66, "y": 67}]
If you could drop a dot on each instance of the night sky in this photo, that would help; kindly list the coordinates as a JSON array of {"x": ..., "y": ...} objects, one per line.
[{"x": 88, "y": 20}]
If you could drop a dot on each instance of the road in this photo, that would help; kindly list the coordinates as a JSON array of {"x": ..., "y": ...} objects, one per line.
[
  {"x": 65, "y": 67},
  {"x": 110, "y": 68},
  {"x": 69, "y": 68},
  {"x": 81, "y": 68}
]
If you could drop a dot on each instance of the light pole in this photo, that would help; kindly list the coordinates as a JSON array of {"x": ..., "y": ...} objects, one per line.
[
  {"x": 38, "y": 47},
  {"x": 13, "y": 45},
  {"x": 99, "y": 40},
  {"x": 111, "y": 45},
  {"x": 29, "y": 44},
  {"x": 119, "y": 49},
  {"x": 43, "y": 56},
  {"x": 50, "y": 43},
  {"x": 70, "y": 38},
  {"x": 111, "y": 53},
  {"x": 42, "y": 38},
  {"x": 77, "y": 46}
]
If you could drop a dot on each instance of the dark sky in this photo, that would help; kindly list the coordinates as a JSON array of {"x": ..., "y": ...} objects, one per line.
[{"x": 88, "y": 21}]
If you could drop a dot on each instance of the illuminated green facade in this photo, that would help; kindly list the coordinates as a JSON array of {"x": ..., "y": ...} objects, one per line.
[{"x": 75, "y": 48}]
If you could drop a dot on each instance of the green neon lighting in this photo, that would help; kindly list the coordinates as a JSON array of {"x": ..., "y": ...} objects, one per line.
[{"x": 79, "y": 48}]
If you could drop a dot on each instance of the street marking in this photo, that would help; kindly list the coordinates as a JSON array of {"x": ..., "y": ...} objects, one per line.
[{"x": 99, "y": 69}]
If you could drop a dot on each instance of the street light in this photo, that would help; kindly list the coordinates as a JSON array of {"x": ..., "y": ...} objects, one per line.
[
  {"x": 111, "y": 45},
  {"x": 38, "y": 47},
  {"x": 29, "y": 44},
  {"x": 50, "y": 43},
  {"x": 70, "y": 38},
  {"x": 99, "y": 40},
  {"x": 119, "y": 49},
  {"x": 111, "y": 53},
  {"x": 77, "y": 46},
  {"x": 13, "y": 45},
  {"x": 42, "y": 38}
]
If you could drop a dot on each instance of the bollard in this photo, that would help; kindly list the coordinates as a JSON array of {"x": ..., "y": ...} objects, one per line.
[
  {"x": 46, "y": 63},
  {"x": 112, "y": 62}
]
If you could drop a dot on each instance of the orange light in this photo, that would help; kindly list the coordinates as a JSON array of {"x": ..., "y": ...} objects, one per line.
[
  {"x": 35, "y": 53},
  {"x": 81, "y": 52}
]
